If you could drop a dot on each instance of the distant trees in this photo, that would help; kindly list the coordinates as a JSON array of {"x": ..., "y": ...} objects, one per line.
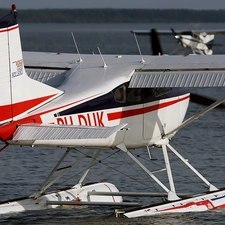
[{"x": 117, "y": 15}]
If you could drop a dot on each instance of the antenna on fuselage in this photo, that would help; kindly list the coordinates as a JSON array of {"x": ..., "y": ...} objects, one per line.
[
  {"x": 104, "y": 64},
  {"x": 75, "y": 43},
  {"x": 142, "y": 60}
]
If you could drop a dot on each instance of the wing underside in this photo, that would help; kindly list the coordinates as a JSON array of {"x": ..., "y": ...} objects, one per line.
[
  {"x": 62, "y": 132},
  {"x": 178, "y": 79},
  {"x": 52, "y": 77},
  {"x": 181, "y": 71}
]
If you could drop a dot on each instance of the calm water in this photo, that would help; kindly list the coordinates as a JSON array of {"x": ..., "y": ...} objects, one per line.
[{"x": 23, "y": 169}]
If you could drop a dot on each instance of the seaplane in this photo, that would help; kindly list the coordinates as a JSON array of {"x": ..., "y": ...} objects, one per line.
[
  {"x": 200, "y": 42},
  {"x": 98, "y": 102}
]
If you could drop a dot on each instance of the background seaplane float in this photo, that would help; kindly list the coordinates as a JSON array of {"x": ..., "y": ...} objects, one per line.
[{"x": 98, "y": 102}]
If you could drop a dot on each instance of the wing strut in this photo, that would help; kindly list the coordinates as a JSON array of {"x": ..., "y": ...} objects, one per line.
[
  {"x": 124, "y": 149},
  {"x": 211, "y": 187},
  {"x": 55, "y": 169},
  {"x": 4, "y": 147},
  {"x": 88, "y": 169},
  {"x": 171, "y": 193}
]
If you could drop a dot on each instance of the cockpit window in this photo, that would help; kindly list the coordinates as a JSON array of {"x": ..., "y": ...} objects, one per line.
[
  {"x": 141, "y": 95},
  {"x": 123, "y": 94},
  {"x": 120, "y": 94},
  {"x": 161, "y": 91}
]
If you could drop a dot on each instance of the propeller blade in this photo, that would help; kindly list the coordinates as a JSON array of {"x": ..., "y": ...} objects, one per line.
[
  {"x": 173, "y": 31},
  {"x": 155, "y": 43},
  {"x": 177, "y": 36},
  {"x": 203, "y": 100}
]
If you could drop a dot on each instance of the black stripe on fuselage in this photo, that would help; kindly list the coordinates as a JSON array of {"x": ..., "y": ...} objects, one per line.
[{"x": 108, "y": 101}]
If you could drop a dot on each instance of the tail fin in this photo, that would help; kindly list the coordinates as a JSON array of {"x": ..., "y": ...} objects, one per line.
[{"x": 18, "y": 93}]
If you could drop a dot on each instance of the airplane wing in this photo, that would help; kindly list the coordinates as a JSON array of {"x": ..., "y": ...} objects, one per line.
[
  {"x": 178, "y": 79},
  {"x": 52, "y": 77},
  {"x": 49, "y": 60},
  {"x": 158, "y": 71},
  {"x": 181, "y": 71},
  {"x": 32, "y": 132},
  {"x": 179, "y": 32},
  {"x": 148, "y": 79},
  {"x": 149, "y": 32},
  {"x": 53, "y": 73}
]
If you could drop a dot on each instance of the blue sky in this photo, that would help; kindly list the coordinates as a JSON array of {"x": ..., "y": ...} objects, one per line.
[{"x": 162, "y": 4}]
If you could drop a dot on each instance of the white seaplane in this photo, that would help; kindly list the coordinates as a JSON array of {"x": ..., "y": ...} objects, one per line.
[
  {"x": 101, "y": 102},
  {"x": 200, "y": 42}
]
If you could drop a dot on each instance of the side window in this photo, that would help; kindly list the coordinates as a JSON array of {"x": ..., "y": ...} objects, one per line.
[
  {"x": 134, "y": 95},
  {"x": 120, "y": 94},
  {"x": 161, "y": 91}
]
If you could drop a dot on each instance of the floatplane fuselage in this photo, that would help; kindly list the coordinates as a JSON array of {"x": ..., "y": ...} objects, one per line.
[
  {"x": 97, "y": 102},
  {"x": 100, "y": 97},
  {"x": 90, "y": 95}
]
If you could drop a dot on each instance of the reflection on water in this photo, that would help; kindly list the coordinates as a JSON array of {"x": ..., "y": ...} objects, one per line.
[{"x": 23, "y": 169}]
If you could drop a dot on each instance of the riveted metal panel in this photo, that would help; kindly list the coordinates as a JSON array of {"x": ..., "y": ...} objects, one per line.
[
  {"x": 55, "y": 132},
  {"x": 178, "y": 79}
]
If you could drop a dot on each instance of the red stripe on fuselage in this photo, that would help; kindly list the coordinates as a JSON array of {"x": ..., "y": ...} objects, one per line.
[
  {"x": 9, "y": 111},
  {"x": 139, "y": 111},
  {"x": 9, "y": 29},
  {"x": 7, "y": 130}
]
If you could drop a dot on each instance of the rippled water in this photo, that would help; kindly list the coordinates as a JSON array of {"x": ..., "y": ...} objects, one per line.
[{"x": 23, "y": 169}]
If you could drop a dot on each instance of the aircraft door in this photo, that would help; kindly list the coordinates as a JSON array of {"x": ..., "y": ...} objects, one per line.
[{"x": 153, "y": 118}]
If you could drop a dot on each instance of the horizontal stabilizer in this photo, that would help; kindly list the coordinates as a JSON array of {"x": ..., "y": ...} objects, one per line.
[
  {"x": 188, "y": 79},
  {"x": 62, "y": 132}
]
